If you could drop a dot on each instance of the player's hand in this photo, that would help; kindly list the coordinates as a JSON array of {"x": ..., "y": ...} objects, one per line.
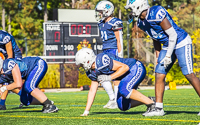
[
  {"x": 103, "y": 78},
  {"x": 167, "y": 60},
  {"x": 86, "y": 113},
  {"x": 2, "y": 90}
]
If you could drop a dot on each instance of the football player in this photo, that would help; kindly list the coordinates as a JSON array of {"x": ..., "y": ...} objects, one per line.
[
  {"x": 32, "y": 69},
  {"x": 111, "y": 35},
  {"x": 130, "y": 72},
  {"x": 9, "y": 49},
  {"x": 176, "y": 44}
]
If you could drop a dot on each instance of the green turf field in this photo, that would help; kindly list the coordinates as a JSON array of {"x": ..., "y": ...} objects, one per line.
[{"x": 181, "y": 107}]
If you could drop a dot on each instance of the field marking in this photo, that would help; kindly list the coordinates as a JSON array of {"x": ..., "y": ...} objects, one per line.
[{"x": 101, "y": 118}]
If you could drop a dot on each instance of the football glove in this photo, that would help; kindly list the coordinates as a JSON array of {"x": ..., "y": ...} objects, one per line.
[
  {"x": 86, "y": 113},
  {"x": 103, "y": 78},
  {"x": 167, "y": 60}
]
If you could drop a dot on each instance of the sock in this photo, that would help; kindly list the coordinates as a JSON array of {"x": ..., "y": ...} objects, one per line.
[
  {"x": 19, "y": 93},
  {"x": 116, "y": 92},
  {"x": 2, "y": 102},
  {"x": 47, "y": 102},
  {"x": 108, "y": 88},
  {"x": 159, "y": 105}
]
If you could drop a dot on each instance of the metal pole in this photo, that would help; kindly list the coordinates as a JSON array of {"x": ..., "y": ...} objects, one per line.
[{"x": 128, "y": 35}]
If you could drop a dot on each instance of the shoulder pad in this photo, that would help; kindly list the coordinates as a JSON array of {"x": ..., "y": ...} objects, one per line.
[
  {"x": 117, "y": 26},
  {"x": 156, "y": 13}
]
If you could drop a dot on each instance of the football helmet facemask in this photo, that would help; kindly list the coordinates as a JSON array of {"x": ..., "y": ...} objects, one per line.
[{"x": 136, "y": 7}]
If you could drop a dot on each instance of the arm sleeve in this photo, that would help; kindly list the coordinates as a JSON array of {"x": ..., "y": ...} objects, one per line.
[{"x": 172, "y": 40}]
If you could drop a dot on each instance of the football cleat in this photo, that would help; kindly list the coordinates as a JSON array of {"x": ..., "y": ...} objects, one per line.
[
  {"x": 110, "y": 102},
  {"x": 2, "y": 107},
  {"x": 149, "y": 108},
  {"x": 49, "y": 108},
  {"x": 21, "y": 105},
  {"x": 198, "y": 114},
  {"x": 152, "y": 98},
  {"x": 52, "y": 102},
  {"x": 154, "y": 112},
  {"x": 113, "y": 106}
]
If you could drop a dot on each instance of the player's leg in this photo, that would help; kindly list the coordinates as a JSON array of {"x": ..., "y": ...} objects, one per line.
[
  {"x": 107, "y": 85},
  {"x": 31, "y": 83},
  {"x": 114, "y": 105},
  {"x": 185, "y": 59},
  {"x": 3, "y": 100},
  {"x": 129, "y": 84},
  {"x": 160, "y": 84}
]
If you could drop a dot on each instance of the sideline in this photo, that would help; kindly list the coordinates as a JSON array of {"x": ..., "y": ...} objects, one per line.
[{"x": 140, "y": 88}]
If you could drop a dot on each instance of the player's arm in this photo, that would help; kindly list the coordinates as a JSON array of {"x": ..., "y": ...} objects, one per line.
[
  {"x": 9, "y": 49},
  {"x": 118, "y": 34},
  {"x": 119, "y": 68},
  {"x": 170, "y": 31},
  {"x": 17, "y": 80},
  {"x": 91, "y": 96}
]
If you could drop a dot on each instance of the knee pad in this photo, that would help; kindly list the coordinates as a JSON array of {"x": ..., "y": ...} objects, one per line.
[{"x": 123, "y": 103}]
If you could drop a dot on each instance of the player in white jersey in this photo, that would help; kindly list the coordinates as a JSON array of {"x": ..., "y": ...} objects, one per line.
[
  {"x": 111, "y": 34},
  {"x": 177, "y": 44}
]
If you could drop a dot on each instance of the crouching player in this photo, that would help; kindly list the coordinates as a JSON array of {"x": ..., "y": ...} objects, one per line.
[
  {"x": 109, "y": 67},
  {"x": 32, "y": 69}
]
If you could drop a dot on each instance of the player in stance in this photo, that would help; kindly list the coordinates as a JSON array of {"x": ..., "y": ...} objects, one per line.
[
  {"x": 111, "y": 35},
  {"x": 130, "y": 72},
  {"x": 32, "y": 69},
  {"x": 9, "y": 49},
  {"x": 177, "y": 44}
]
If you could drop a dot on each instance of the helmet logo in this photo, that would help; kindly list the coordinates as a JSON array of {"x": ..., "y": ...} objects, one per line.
[
  {"x": 108, "y": 6},
  {"x": 131, "y": 1}
]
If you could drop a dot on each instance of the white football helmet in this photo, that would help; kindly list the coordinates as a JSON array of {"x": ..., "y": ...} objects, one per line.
[
  {"x": 85, "y": 57},
  {"x": 137, "y": 7},
  {"x": 103, "y": 9}
]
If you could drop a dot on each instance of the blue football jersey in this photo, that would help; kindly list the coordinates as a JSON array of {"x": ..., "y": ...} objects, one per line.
[
  {"x": 4, "y": 39},
  {"x": 107, "y": 32},
  {"x": 104, "y": 65},
  {"x": 151, "y": 25},
  {"x": 25, "y": 65}
]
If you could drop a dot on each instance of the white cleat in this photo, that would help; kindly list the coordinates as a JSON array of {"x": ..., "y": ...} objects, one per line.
[
  {"x": 113, "y": 106},
  {"x": 198, "y": 114},
  {"x": 155, "y": 112},
  {"x": 110, "y": 102}
]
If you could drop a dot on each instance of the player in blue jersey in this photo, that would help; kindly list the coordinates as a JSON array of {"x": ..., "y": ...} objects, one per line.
[
  {"x": 9, "y": 49},
  {"x": 32, "y": 70},
  {"x": 111, "y": 35},
  {"x": 177, "y": 44},
  {"x": 130, "y": 72}
]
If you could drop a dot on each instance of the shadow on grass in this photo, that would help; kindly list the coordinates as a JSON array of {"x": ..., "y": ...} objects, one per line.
[
  {"x": 135, "y": 113},
  {"x": 24, "y": 107},
  {"x": 128, "y": 113},
  {"x": 179, "y": 112}
]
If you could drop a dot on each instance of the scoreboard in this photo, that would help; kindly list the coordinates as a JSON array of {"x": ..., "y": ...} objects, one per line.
[{"x": 62, "y": 39}]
